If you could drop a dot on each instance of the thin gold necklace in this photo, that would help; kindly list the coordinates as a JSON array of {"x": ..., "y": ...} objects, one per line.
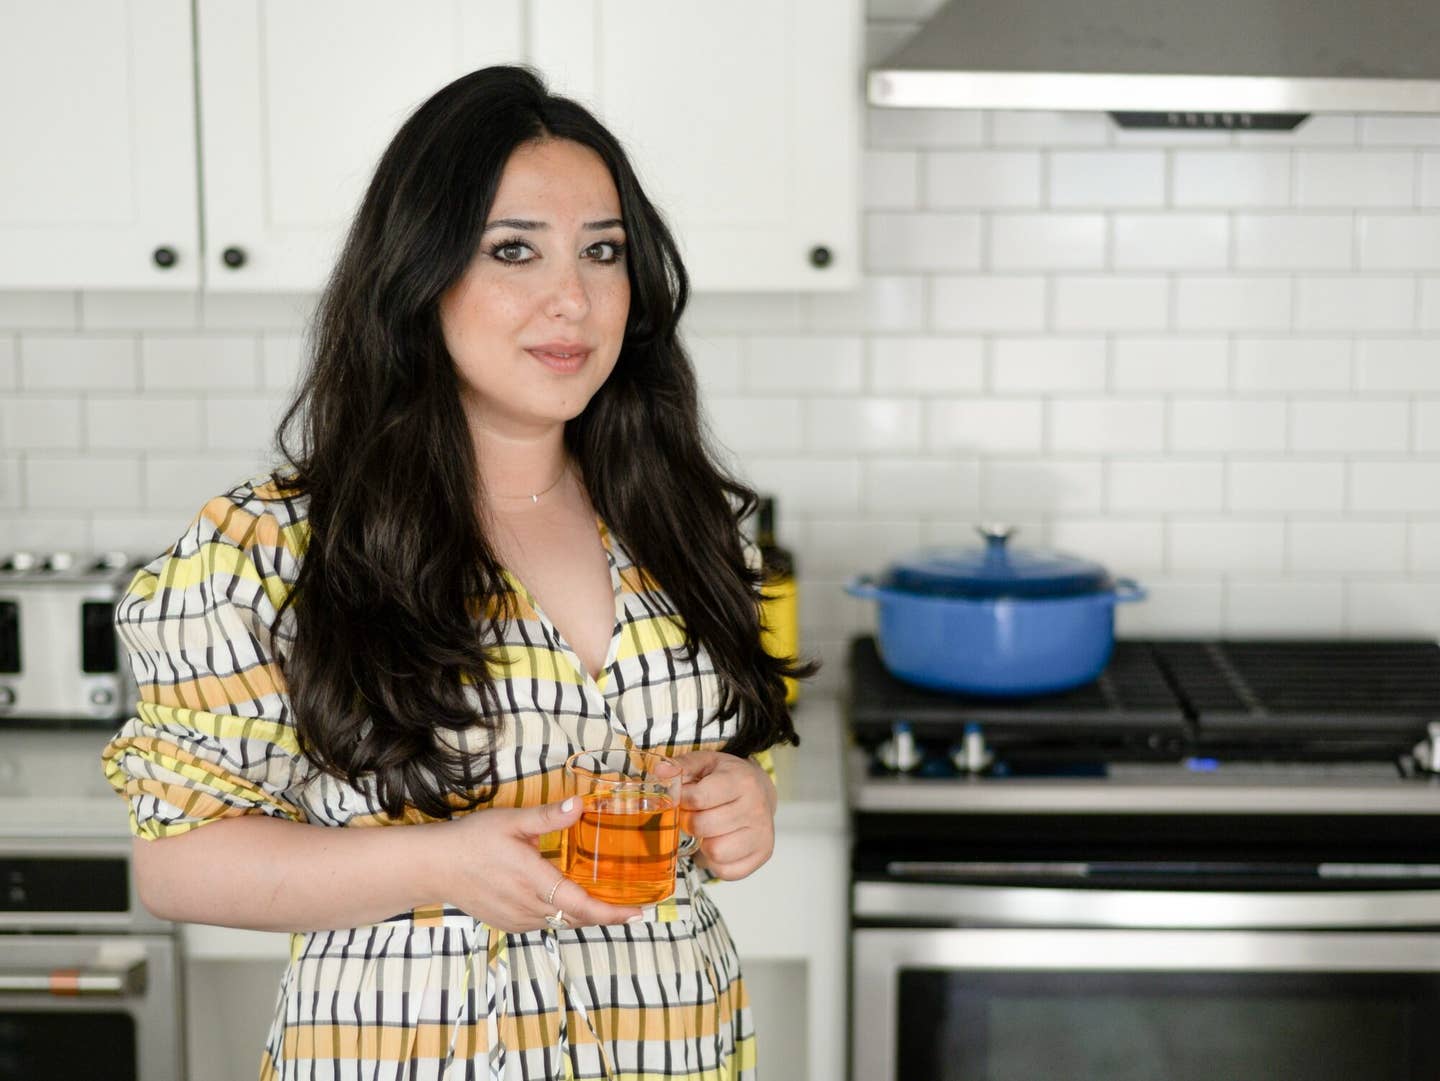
[{"x": 534, "y": 497}]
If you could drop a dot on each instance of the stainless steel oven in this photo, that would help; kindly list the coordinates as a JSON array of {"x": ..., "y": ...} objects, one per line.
[
  {"x": 89, "y": 981},
  {"x": 1221, "y": 861}
]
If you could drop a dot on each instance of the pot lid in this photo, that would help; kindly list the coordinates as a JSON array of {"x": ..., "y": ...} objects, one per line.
[{"x": 995, "y": 570}]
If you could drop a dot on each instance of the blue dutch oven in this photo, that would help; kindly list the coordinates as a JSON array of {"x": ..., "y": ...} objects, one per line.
[{"x": 997, "y": 620}]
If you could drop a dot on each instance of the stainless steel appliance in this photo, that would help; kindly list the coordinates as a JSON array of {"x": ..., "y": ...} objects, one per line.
[
  {"x": 60, "y": 660},
  {"x": 1222, "y": 859},
  {"x": 89, "y": 981}
]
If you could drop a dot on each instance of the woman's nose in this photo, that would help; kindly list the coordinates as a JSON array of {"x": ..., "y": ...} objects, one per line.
[{"x": 568, "y": 296}]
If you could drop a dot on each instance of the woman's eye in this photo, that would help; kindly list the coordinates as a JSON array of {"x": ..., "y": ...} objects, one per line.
[
  {"x": 612, "y": 250},
  {"x": 510, "y": 251}
]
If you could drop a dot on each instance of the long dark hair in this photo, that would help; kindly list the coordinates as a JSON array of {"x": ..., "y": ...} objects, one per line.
[{"x": 376, "y": 440}]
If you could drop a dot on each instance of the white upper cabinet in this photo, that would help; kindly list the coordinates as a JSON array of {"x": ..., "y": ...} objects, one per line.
[
  {"x": 297, "y": 102},
  {"x": 98, "y": 126},
  {"x": 742, "y": 119}
]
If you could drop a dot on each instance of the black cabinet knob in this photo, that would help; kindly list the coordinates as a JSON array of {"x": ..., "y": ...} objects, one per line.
[
  {"x": 820, "y": 256},
  {"x": 164, "y": 257},
  {"x": 234, "y": 258}
]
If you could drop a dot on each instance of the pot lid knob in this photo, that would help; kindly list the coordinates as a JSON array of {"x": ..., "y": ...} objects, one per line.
[{"x": 996, "y": 531}]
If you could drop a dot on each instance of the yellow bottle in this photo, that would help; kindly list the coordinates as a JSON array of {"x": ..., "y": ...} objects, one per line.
[{"x": 779, "y": 607}]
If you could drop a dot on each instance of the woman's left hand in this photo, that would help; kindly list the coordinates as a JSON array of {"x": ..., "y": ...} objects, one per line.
[{"x": 728, "y": 804}]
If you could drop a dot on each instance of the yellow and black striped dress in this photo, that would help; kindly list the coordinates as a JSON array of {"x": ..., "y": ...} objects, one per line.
[{"x": 432, "y": 994}]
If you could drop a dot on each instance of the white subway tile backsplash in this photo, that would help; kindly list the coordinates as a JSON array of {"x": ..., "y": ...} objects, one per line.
[
  {"x": 1398, "y": 364},
  {"x": 1191, "y": 606},
  {"x": 282, "y": 361},
  {"x": 807, "y": 486},
  {"x": 1038, "y": 127},
  {"x": 985, "y": 426},
  {"x": 243, "y": 423},
  {"x": 884, "y": 303},
  {"x": 1107, "y": 178},
  {"x": 1171, "y": 241},
  {"x": 1399, "y": 131},
  {"x": 863, "y": 424},
  {"x": 194, "y": 362},
  {"x": 1396, "y": 609},
  {"x": 1159, "y": 485},
  {"x": 1047, "y": 366},
  {"x": 825, "y": 365},
  {"x": 1427, "y": 427},
  {"x": 81, "y": 482},
  {"x": 964, "y": 532},
  {"x": 1170, "y": 363},
  {"x": 1226, "y": 544},
  {"x": 1227, "y": 424},
  {"x": 1230, "y": 178},
  {"x": 115, "y": 310},
  {"x": 748, "y": 425},
  {"x": 1292, "y": 364},
  {"x": 1125, "y": 547},
  {"x": 926, "y": 365},
  {"x": 1395, "y": 487},
  {"x": 59, "y": 531},
  {"x": 78, "y": 363},
  {"x": 145, "y": 422},
  {"x": 1430, "y": 179},
  {"x": 1350, "y": 427},
  {"x": 25, "y": 310},
  {"x": 1112, "y": 302},
  {"x": 1277, "y": 486},
  {"x": 9, "y": 363},
  {"x": 891, "y": 180},
  {"x": 1107, "y": 425},
  {"x": 982, "y": 302},
  {"x": 187, "y": 483},
  {"x": 1355, "y": 303},
  {"x": 915, "y": 241},
  {"x": 11, "y": 486},
  {"x": 1354, "y": 178},
  {"x": 33, "y": 423},
  {"x": 915, "y": 487},
  {"x": 1399, "y": 241},
  {"x": 1429, "y": 304},
  {"x": 717, "y": 364},
  {"x": 1423, "y": 546},
  {"x": 1239, "y": 302},
  {"x": 252, "y": 312},
  {"x": 138, "y": 534},
  {"x": 1347, "y": 547},
  {"x": 1298, "y": 608},
  {"x": 843, "y": 546},
  {"x": 1048, "y": 487},
  {"x": 981, "y": 178},
  {"x": 738, "y": 313},
  {"x": 907, "y": 129},
  {"x": 1047, "y": 241},
  {"x": 1304, "y": 241}
]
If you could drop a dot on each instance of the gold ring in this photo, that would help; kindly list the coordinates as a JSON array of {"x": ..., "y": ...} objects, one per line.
[
  {"x": 550, "y": 897},
  {"x": 557, "y": 920}
]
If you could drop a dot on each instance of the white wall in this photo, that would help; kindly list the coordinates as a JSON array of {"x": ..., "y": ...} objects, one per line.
[{"x": 1210, "y": 361}]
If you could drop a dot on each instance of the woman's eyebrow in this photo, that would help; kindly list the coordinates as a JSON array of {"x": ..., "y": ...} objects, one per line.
[{"x": 525, "y": 223}]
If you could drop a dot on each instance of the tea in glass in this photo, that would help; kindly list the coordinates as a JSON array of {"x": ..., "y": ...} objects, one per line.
[{"x": 623, "y": 847}]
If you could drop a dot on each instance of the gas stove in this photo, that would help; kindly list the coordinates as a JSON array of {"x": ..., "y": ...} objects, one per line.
[{"x": 1172, "y": 725}]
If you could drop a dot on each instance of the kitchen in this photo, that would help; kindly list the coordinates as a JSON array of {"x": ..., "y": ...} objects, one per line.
[{"x": 1204, "y": 358}]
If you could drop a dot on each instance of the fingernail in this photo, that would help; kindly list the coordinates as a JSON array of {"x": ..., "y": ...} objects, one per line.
[
  {"x": 567, "y": 806},
  {"x": 636, "y": 919}
]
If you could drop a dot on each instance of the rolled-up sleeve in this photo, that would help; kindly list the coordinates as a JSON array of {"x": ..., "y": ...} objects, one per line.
[{"x": 213, "y": 735}]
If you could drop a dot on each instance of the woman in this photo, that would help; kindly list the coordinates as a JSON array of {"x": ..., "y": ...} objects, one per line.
[{"x": 438, "y": 601}]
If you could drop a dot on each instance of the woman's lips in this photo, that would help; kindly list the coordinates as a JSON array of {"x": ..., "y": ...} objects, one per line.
[{"x": 559, "y": 363}]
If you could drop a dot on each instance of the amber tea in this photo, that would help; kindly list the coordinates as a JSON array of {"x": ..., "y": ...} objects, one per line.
[{"x": 623, "y": 848}]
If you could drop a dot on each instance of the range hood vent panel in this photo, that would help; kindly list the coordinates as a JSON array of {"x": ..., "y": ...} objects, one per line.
[{"x": 1235, "y": 56}]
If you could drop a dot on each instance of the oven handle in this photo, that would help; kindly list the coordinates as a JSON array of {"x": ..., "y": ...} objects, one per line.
[
  {"x": 1035, "y": 906},
  {"x": 69, "y": 982}
]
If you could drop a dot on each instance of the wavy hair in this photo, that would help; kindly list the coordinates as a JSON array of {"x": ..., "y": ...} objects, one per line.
[{"x": 376, "y": 440}]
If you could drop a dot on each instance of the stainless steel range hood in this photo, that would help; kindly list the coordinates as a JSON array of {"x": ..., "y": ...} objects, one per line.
[{"x": 1157, "y": 57}]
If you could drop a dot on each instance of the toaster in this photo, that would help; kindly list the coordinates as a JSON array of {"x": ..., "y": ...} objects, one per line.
[{"x": 60, "y": 658}]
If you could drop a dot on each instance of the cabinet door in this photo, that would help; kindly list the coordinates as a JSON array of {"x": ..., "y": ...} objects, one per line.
[
  {"x": 742, "y": 118},
  {"x": 98, "y": 127},
  {"x": 297, "y": 102}
]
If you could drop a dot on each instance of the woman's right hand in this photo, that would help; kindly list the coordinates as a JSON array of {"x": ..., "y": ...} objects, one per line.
[{"x": 488, "y": 863}]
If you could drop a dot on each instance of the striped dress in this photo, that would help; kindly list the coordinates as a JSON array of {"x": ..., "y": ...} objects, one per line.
[{"x": 431, "y": 994}]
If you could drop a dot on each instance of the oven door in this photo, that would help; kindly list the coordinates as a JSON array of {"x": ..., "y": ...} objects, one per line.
[
  {"x": 89, "y": 1008},
  {"x": 1248, "y": 992}
]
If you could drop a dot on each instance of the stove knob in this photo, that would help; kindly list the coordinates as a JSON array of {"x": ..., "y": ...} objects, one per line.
[
  {"x": 7, "y": 696},
  {"x": 60, "y": 561},
  {"x": 102, "y": 696},
  {"x": 21, "y": 561},
  {"x": 899, "y": 753}
]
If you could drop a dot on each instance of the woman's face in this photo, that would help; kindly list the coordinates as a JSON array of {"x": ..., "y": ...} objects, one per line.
[{"x": 548, "y": 279}]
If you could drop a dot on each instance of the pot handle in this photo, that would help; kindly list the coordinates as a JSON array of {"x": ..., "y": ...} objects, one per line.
[
  {"x": 863, "y": 585},
  {"x": 1127, "y": 591}
]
